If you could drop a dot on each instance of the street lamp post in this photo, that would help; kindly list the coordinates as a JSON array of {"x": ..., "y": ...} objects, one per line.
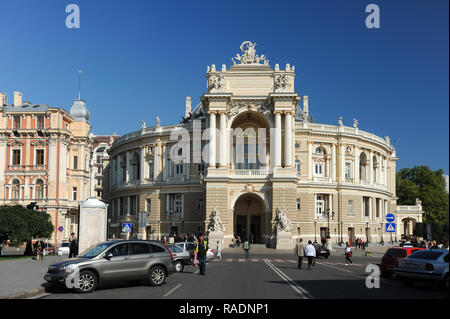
[
  {"x": 328, "y": 213},
  {"x": 381, "y": 230},
  {"x": 171, "y": 222},
  {"x": 342, "y": 234},
  {"x": 315, "y": 238},
  {"x": 367, "y": 232}
]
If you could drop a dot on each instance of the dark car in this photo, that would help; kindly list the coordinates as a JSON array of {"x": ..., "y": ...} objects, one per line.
[
  {"x": 114, "y": 261},
  {"x": 321, "y": 251},
  {"x": 392, "y": 255}
]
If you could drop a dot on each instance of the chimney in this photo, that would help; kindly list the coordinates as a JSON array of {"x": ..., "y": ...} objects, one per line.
[
  {"x": 188, "y": 106},
  {"x": 3, "y": 99},
  {"x": 305, "y": 105},
  {"x": 17, "y": 98}
]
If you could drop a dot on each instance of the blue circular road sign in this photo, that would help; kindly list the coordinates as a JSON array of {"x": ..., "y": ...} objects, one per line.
[
  {"x": 390, "y": 217},
  {"x": 60, "y": 228}
]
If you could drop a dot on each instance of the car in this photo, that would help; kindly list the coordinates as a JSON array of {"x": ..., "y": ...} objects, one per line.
[
  {"x": 181, "y": 257},
  {"x": 64, "y": 249},
  {"x": 49, "y": 249},
  {"x": 393, "y": 254},
  {"x": 191, "y": 247},
  {"x": 424, "y": 265},
  {"x": 321, "y": 251},
  {"x": 114, "y": 261}
]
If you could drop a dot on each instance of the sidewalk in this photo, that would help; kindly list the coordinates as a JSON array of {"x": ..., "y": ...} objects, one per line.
[{"x": 24, "y": 278}]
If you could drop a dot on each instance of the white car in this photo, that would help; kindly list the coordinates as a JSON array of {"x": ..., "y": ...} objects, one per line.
[{"x": 64, "y": 249}]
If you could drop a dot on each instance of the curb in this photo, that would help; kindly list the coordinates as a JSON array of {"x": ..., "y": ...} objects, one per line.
[{"x": 27, "y": 294}]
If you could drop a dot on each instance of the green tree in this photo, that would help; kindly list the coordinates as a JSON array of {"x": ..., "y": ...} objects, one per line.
[
  {"x": 19, "y": 224},
  {"x": 429, "y": 186}
]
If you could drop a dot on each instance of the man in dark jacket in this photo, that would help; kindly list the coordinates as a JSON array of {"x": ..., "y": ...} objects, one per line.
[
  {"x": 73, "y": 246},
  {"x": 202, "y": 250}
]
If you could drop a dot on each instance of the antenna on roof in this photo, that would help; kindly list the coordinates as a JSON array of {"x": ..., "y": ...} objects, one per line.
[{"x": 79, "y": 83}]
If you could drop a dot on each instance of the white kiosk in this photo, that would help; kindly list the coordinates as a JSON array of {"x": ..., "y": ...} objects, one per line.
[{"x": 92, "y": 224}]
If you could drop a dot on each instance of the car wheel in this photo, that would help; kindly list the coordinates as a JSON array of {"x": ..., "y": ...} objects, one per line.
[
  {"x": 87, "y": 283},
  {"x": 326, "y": 256},
  {"x": 156, "y": 276},
  {"x": 179, "y": 267},
  {"x": 386, "y": 274}
]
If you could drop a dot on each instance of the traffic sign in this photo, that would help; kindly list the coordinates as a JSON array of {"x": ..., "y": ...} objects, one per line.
[
  {"x": 390, "y": 227},
  {"x": 126, "y": 227},
  {"x": 60, "y": 228},
  {"x": 390, "y": 218}
]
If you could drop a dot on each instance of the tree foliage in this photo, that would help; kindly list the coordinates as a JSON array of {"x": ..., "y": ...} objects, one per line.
[
  {"x": 428, "y": 186},
  {"x": 19, "y": 224}
]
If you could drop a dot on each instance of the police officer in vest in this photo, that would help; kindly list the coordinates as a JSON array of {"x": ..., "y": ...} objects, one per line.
[
  {"x": 202, "y": 249},
  {"x": 246, "y": 247}
]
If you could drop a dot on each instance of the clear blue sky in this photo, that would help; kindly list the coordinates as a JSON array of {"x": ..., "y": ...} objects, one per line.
[{"x": 142, "y": 58}]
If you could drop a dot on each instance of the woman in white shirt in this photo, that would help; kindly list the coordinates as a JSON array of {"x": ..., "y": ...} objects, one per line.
[
  {"x": 310, "y": 253},
  {"x": 348, "y": 254}
]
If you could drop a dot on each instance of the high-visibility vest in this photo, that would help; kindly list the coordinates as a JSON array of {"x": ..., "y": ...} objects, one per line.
[
  {"x": 196, "y": 248},
  {"x": 246, "y": 245}
]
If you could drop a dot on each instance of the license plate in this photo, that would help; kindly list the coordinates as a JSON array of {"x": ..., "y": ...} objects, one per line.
[
  {"x": 411, "y": 266},
  {"x": 323, "y": 251}
]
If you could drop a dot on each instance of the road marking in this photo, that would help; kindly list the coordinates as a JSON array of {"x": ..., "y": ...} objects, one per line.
[
  {"x": 241, "y": 260},
  {"x": 291, "y": 261},
  {"x": 254, "y": 260},
  {"x": 302, "y": 292},
  {"x": 230, "y": 259},
  {"x": 278, "y": 260},
  {"x": 172, "y": 290},
  {"x": 335, "y": 267}
]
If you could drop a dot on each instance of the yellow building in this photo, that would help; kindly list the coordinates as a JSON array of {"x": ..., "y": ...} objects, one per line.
[
  {"x": 44, "y": 158},
  {"x": 301, "y": 169}
]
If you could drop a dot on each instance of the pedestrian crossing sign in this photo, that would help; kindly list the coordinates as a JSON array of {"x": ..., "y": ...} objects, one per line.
[
  {"x": 126, "y": 228},
  {"x": 390, "y": 227}
]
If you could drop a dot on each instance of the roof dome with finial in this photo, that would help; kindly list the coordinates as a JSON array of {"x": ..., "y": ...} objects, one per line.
[{"x": 79, "y": 111}]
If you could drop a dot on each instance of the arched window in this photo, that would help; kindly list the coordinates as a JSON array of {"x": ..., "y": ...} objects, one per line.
[
  {"x": 319, "y": 150},
  {"x": 135, "y": 166},
  {"x": 39, "y": 189},
  {"x": 15, "y": 189}
]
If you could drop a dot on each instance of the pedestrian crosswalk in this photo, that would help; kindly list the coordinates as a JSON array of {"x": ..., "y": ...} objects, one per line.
[{"x": 261, "y": 260}]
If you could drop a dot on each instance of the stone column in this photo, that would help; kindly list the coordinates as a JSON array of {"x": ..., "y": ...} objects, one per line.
[
  {"x": 310, "y": 162},
  {"x": 277, "y": 157},
  {"x": 356, "y": 168},
  {"x": 155, "y": 162},
  {"x": 370, "y": 167},
  {"x": 288, "y": 139},
  {"x": 164, "y": 153},
  {"x": 342, "y": 163},
  {"x": 127, "y": 167},
  {"x": 223, "y": 141},
  {"x": 212, "y": 139},
  {"x": 333, "y": 162},
  {"x": 142, "y": 165}
]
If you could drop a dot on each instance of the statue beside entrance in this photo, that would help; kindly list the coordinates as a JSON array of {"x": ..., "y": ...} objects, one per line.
[
  {"x": 282, "y": 236},
  {"x": 215, "y": 229}
]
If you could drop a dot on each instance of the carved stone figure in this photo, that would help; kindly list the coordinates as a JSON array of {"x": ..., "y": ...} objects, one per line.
[
  {"x": 283, "y": 83},
  {"x": 143, "y": 124},
  {"x": 355, "y": 123},
  {"x": 216, "y": 83},
  {"x": 249, "y": 55},
  {"x": 340, "y": 121},
  {"x": 158, "y": 121},
  {"x": 215, "y": 223},
  {"x": 282, "y": 222}
]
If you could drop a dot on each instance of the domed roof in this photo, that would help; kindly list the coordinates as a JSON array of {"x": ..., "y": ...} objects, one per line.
[{"x": 79, "y": 111}]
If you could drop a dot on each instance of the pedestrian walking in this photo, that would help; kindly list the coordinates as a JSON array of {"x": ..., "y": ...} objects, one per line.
[
  {"x": 348, "y": 254},
  {"x": 246, "y": 248},
  {"x": 73, "y": 250},
  {"x": 219, "y": 249},
  {"x": 299, "y": 251},
  {"x": 201, "y": 249},
  {"x": 38, "y": 249},
  {"x": 310, "y": 253}
]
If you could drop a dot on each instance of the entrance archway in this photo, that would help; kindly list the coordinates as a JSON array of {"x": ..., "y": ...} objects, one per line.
[{"x": 249, "y": 219}]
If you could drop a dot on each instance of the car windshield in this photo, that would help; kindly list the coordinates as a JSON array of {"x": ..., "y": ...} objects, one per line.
[
  {"x": 174, "y": 248},
  {"x": 426, "y": 254},
  {"x": 94, "y": 251},
  {"x": 401, "y": 253}
]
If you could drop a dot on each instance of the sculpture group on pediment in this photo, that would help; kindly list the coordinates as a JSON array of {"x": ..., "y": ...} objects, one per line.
[
  {"x": 216, "y": 83},
  {"x": 249, "y": 55}
]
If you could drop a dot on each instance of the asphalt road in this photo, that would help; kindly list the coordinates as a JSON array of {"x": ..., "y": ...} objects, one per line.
[{"x": 264, "y": 276}]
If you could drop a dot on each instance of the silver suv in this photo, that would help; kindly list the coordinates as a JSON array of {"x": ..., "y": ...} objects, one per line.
[{"x": 114, "y": 260}]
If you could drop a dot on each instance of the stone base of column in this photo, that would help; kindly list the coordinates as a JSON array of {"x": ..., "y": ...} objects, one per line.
[
  {"x": 213, "y": 238},
  {"x": 284, "y": 240}
]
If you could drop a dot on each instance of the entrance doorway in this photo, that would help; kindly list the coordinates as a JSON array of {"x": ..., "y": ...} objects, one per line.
[
  {"x": 249, "y": 219},
  {"x": 351, "y": 236}
]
